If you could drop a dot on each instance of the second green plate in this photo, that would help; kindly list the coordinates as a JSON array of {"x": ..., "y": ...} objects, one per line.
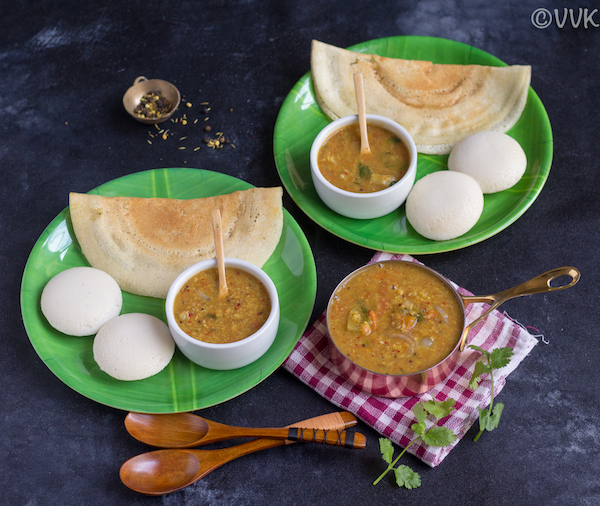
[{"x": 301, "y": 119}]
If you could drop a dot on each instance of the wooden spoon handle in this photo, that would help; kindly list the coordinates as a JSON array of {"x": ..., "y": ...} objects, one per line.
[
  {"x": 218, "y": 235},
  {"x": 362, "y": 119},
  {"x": 305, "y": 434},
  {"x": 337, "y": 421},
  {"x": 330, "y": 437},
  {"x": 331, "y": 422}
]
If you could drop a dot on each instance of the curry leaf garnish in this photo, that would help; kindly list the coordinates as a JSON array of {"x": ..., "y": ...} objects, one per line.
[
  {"x": 364, "y": 171},
  {"x": 432, "y": 436},
  {"x": 495, "y": 359}
]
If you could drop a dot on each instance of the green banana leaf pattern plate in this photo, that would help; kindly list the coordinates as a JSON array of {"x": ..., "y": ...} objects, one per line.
[
  {"x": 182, "y": 385},
  {"x": 300, "y": 120}
]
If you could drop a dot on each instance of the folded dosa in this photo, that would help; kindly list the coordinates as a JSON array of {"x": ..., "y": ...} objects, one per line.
[
  {"x": 438, "y": 104},
  {"x": 145, "y": 243}
]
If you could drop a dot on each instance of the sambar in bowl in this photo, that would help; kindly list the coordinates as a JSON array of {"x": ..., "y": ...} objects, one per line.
[
  {"x": 363, "y": 186},
  {"x": 394, "y": 328},
  {"x": 227, "y": 332},
  {"x": 341, "y": 162}
]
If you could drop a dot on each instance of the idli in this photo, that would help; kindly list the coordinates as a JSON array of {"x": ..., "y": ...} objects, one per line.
[
  {"x": 78, "y": 301},
  {"x": 495, "y": 160},
  {"x": 444, "y": 205},
  {"x": 133, "y": 346}
]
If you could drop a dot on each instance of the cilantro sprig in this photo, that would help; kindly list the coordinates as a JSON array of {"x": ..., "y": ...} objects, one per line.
[
  {"x": 495, "y": 359},
  {"x": 432, "y": 436},
  {"x": 436, "y": 435}
]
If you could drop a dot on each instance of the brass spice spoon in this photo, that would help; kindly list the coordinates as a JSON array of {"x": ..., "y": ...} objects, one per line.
[
  {"x": 186, "y": 430},
  {"x": 165, "y": 471}
]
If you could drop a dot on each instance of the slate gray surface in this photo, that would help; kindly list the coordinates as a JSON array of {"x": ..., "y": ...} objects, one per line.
[{"x": 64, "y": 68}]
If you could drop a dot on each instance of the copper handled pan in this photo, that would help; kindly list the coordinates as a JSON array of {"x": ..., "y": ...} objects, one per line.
[{"x": 406, "y": 385}]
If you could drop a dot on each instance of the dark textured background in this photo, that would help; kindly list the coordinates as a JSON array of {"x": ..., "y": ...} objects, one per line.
[{"x": 64, "y": 68}]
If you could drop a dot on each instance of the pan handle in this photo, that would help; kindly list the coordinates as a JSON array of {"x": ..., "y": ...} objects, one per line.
[{"x": 539, "y": 284}]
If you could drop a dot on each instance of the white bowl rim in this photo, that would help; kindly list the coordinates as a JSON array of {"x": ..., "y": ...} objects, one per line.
[
  {"x": 229, "y": 262},
  {"x": 348, "y": 120}
]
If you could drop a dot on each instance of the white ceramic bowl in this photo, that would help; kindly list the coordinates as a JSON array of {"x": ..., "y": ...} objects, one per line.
[
  {"x": 228, "y": 355},
  {"x": 363, "y": 205}
]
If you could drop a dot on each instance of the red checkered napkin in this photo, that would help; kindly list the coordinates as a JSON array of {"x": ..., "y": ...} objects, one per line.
[{"x": 310, "y": 361}]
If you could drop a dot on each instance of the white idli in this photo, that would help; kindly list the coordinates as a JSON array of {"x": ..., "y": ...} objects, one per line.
[
  {"x": 80, "y": 300},
  {"x": 495, "y": 160},
  {"x": 133, "y": 346},
  {"x": 444, "y": 205}
]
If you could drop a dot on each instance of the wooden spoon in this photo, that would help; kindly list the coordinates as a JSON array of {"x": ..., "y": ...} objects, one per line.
[
  {"x": 186, "y": 430},
  {"x": 165, "y": 471},
  {"x": 365, "y": 149},
  {"x": 218, "y": 235}
]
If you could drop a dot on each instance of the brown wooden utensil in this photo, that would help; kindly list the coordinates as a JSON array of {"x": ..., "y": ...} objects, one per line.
[
  {"x": 218, "y": 235},
  {"x": 359, "y": 89},
  {"x": 186, "y": 430},
  {"x": 164, "y": 471}
]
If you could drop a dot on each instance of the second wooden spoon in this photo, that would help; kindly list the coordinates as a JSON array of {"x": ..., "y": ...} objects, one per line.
[{"x": 186, "y": 430}]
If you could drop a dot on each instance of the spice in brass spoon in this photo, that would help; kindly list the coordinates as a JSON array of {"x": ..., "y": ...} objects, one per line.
[{"x": 153, "y": 105}]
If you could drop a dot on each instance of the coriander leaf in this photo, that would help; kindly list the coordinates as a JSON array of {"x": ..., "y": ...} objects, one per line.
[
  {"x": 419, "y": 428},
  {"x": 387, "y": 450},
  {"x": 480, "y": 368},
  {"x": 497, "y": 412},
  {"x": 500, "y": 357},
  {"x": 406, "y": 477},
  {"x": 484, "y": 419},
  {"x": 439, "y": 436},
  {"x": 489, "y": 421},
  {"x": 439, "y": 409},
  {"x": 419, "y": 412},
  {"x": 421, "y": 415}
]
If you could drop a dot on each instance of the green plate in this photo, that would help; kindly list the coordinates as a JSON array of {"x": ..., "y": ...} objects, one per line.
[
  {"x": 182, "y": 385},
  {"x": 300, "y": 120}
]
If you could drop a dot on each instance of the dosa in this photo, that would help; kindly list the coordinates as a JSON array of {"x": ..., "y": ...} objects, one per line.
[
  {"x": 438, "y": 104},
  {"x": 145, "y": 243}
]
